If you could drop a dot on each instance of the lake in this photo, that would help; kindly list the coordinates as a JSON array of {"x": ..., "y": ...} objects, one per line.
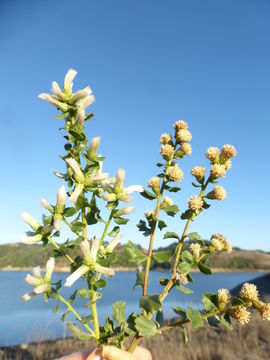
[{"x": 22, "y": 322}]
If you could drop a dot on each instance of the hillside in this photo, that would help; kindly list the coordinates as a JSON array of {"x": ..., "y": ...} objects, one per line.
[{"x": 26, "y": 256}]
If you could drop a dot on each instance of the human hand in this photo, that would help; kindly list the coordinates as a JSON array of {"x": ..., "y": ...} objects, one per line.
[{"x": 138, "y": 354}]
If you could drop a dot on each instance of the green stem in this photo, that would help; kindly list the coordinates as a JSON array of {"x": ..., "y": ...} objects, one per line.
[
  {"x": 76, "y": 314},
  {"x": 106, "y": 228},
  {"x": 58, "y": 247},
  {"x": 94, "y": 313}
]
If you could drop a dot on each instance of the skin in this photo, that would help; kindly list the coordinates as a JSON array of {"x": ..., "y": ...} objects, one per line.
[{"x": 142, "y": 353}]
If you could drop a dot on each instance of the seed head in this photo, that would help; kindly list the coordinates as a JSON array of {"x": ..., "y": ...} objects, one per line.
[
  {"x": 195, "y": 203},
  {"x": 242, "y": 315},
  {"x": 175, "y": 173},
  {"x": 265, "y": 311},
  {"x": 180, "y": 125},
  {"x": 223, "y": 296},
  {"x": 212, "y": 154},
  {"x": 183, "y": 135},
  {"x": 249, "y": 292},
  {"x": 198, "y": 172},
  {"x": 165, "y": 138},
  {"x": 228, "y": 151},
  {"x": 167, "y": 151},
  {"x": 186, "y": 148},
  {"x": 217, "y": 171}
]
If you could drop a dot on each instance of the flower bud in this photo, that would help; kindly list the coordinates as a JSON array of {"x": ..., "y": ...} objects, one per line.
[
  {"x": 175, "y": 173},
  {"x": 57, "y": 221},
  {"x": 46, "y": 205},
  {"x": 75, "y": 167},
  {"x": 60, "y": 200},
  {"x": 218, "y": 193},
  {"x": 57, "y": 91},
  {"x": 217, "y": 171},
  {"x": 195, "y": 203},
  {"x": 166, "y": 202},
  {"x": 183, "y": 135},
  {"x": 154, "y": 184},
  {"x": 53, "y": 101},
  {"x": 149, "y": 213},
  {"x": 212, "y": 154},
  {"x": 165, "y": 138},
  {"x": 31, "y": 221},
  {"x": 180, "y": 125},
  {"x": 265, "y": 311},
  {"x": 195, "y": 248},
  {"x": 109, "y": 197},
  {"x": 249, "y": 292},
  {"x": 119, "y": 183},
  {"x": 228, "y": 151},
  {"x": 186, "y": 149},
  {"x": 124, "y": 211},
  {"x": 80, "y": 118},
  {"x": 167, "y": 151},
  {"x": 223, "y": 296},
  {"x": 217, "y": 244},
  {"x": 68, "y": 81},
  {"x": 92, "y": 152},
  {"x": 198, "y": 172}
]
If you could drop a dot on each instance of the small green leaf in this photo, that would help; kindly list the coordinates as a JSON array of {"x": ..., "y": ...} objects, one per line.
[
  {"x": 145, "y": 327},
  {"x": 148, "y": 195},
  {"x": 213, "y": 321},
  {"x": 225, "y": 320},
  {"x": 209, "y": 302},
  {"x": 163, "y": 256},
  {"x": 69, "y": 211},
  {"x": 184, "y": 290},
  {"x": 144, "y": 228},
  {"x": 150, "y": 303},
  {"x": 204, "y": 269},
  {"x": 160, "y": 164},
  {"x": 140, "y": 279},
  {"x": 160, "y": 318},
  {"x": 184, "y": 267},
  {"x": 120, "y": 220},
  {"x": 134, "y": 254},
  {"x": 63, "y": 317},
  {"x": 163, "y": 281},
  {"x": 179, "y": 311},
  {"x": 171, "y": 210},
  {"x": 172, "y": 188},
  {"x": 84, "y": 293},
  {"x": 77, "y": 227},
  {"x": 115, "y": 231},
  {"x": 196, "y": 185},
  {"x": 56, "y": 308},
  {"x": 194, "y": 236},
  {"x": 100, "y": 284},
  {"x": 171, "y": 235},
  {"x": 195, "y": 318},
  {"x": 72, "y": 297},
  {"x": 77, "y": 332},
  {"x": 205, "y": 205},
  {"x": 187, "y": 256},
  {"x": 78, "y": 136},
  {"x": 119, "y": 308},
  {"x": 186, "y": 215},
  {"x": 86, "y": 319},
  {"x": 184, "y": 336},
  {"x": 161, "y": 224}
]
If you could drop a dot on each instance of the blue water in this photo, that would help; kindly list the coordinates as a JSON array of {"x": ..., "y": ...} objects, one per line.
[{"x": 22, "y": 322}]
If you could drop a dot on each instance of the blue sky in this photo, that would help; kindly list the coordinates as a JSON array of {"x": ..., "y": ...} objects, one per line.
[{"x": 149, "y": 63}]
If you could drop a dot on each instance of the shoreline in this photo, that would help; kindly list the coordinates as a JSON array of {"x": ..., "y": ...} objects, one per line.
[{"x": 125, "y": 269}]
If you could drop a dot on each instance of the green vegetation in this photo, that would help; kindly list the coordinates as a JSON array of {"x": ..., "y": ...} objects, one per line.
[{"x": 21, "y": 255}]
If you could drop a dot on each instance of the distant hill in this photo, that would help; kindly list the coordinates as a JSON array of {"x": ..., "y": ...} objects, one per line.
[{"x": 18, "y": 255}]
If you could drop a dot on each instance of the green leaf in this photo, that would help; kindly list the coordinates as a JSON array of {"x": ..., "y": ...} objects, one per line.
[
  {"x": 93, "y": 216},
  {"x": 144, "y": 228},
  {"x": 63, "y": 317},
  {"x": 184, "y": 290},
  {"x": 84, "y": 293},
  {"x": 140, "y": 279},
  {"x": 209, "y": 302},
  {"x": 61, "y": 116},
  {"x": 163, "y": 281},
  {"x": 190, "y": 278},
  {"x": 187, "y": 256},
  {"x": 161, "y": 224},
  {"x": 205, "y": 205},
  {"x": 186, "y": 215},
  {"x": 184, "y": 267},
  {"x": 171, "y": 210},
  {"x": 148, "y": 195},
  {"x": 114, "y": 232},
  {"x": 172, "y": 188},
  {"x": 171, "y": 235},
  {"x": 204, "y": 269},
  {"x": 100, "y": 284},
  {"x": 213, "y": 321},
  {"x": 72, "y": 297},
  {"x": 77, "y": 332},
  {"x": 69, "y": 211},
  {"x": 77, "y": 227},
  {"x": 195, "y": 318},
  {"x": 78, "y": 136},
  {"x": 184, "y": 336},
  {"x": 160, "y": 318},
  {"x": 194, "y": 236},
  {"x": 88, "y": 116},
  {"x": 119, "y": 308},
  {"x": 163, "y": 256},
  {"x": 134, "y": 254},
  {"x": 145, "y": 327},
  {"x": 160, "y": 164},
  {"x": 150, "y": 303},
  {"x": 179, "y": 311},
  {"x": 225, "y": 320},
  {"x": 196, "y": 185},
  {"x": 56, "y": 308},
  {"x": 86, "y": 319},
  {"x": 120, "y": 220}
]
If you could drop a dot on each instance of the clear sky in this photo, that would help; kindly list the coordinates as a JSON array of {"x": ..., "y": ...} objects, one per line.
[{"x": 149, "y": 63}]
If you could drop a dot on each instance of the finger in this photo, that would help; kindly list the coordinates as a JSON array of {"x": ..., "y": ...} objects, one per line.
[
  {"x": 142, "y": 353},
  {"x": 77, "y": 356}
]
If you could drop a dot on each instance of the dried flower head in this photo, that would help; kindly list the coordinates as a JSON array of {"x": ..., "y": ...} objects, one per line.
[
  {"x": 242, "y": 315},
  {"x": 223, "y": 296},
  {"x": 249, "y": 292},
  {"x": 228, "y": 151},
  {"x": 167, "y": 151},
  {"x": 180, "y": 125},
  {"x": 195, "y": 248},
  {"x": 217, "y": 171},
  {"x": 175, "y": 173},
  {"x": 198, "y": 172},
  {"x": 265, "y": 311},
  {"x": 195, "y": 203},
  {"x": 212, "y": 154},
  {"x": 165, "y": 138},
  {"x": 186, "y": 148},
  {"x": 183, "y": 135}
]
